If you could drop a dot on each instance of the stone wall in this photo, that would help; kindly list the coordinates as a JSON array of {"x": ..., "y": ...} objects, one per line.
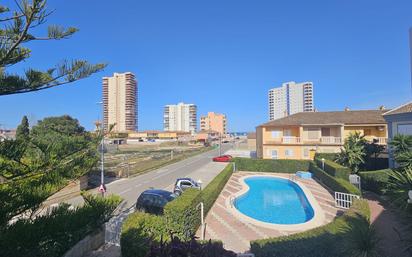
[{"x": 90, "y": 243}]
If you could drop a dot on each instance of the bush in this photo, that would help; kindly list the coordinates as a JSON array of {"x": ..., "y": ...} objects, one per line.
[
  {"x": 375, "y": 181},
  {"x": 181, "y": 215},
  {"x": 328, "y": 240},
  {"x": 336, "y": 184},
  {"x": 138, "y": 231},
  {"x": 334, "y": 169},
  {"x": 279, "y": 166},
  {"x": 213, "y": 189},
  {"x": 326, "y": 156},
  {"x": 56, "y": 232}
]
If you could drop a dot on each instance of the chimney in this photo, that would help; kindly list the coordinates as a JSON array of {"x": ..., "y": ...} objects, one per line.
[{"x": 347, "y": 109}]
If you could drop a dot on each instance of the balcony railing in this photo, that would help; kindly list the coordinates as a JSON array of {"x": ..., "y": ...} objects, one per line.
[
  {"x": 291, "y": 140},
  {"x": 331, "y": 140},
  {"x": 377, "y": 140}
]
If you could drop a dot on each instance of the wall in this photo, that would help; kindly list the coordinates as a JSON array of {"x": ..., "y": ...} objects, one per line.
[
  {"x": 87, "y": 245},
  {"x": 72, "y": 189}
]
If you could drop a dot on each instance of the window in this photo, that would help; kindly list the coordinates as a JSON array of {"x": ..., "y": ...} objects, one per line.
[
  {"x": 306, "y": 153},
  {"x": 274, "y": 154},
  {"x": 405, "y": 129},
  {"x": 367, "y": 132},
  {"x": 313, "y": 133},
  {"x": 276, "y": 134},
  {"x": 325, "y": 132},
  {"x": 287, "y": 133},
  {"x": 289, "y": 153}
]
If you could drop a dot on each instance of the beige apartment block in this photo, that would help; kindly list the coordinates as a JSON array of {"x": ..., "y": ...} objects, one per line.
[
  {"x": 180, "y": 117},
  {"x": 214, "y": 121},
  {"x": 120, "y": 102},
  {"x": 301, "y": 135}
]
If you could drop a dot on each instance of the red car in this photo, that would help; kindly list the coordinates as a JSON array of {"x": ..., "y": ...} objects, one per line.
[{"x": 223, "y": 158}]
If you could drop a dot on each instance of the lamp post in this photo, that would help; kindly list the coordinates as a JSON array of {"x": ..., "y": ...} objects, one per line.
[
  {"x": 102, "y": 187},
  {"x": 323, "y": 163}
]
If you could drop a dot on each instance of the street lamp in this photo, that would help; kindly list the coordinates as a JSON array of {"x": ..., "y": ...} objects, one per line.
[
  {"x": 102, "y": 187},
  {"x": 323, "y": 163}
]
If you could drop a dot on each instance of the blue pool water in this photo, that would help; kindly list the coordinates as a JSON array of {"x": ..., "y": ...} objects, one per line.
[{"x": 274, "y": 200}]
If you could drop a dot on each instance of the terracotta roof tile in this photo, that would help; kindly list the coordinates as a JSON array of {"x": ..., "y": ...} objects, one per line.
[{"x": 337, "y": 117}]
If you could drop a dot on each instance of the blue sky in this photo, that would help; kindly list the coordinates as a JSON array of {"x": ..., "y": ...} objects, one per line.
[{"x": 224, "y": 56}]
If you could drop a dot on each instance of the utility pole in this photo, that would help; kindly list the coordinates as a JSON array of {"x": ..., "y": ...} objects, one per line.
[
  {"x": 102, "y": 187},
  {"x": 220, "y": 144}
]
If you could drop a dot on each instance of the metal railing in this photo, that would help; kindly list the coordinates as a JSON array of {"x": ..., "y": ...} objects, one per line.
[
  {"x": 344, "y": 200},
  {"x": 331, "y": 140}
]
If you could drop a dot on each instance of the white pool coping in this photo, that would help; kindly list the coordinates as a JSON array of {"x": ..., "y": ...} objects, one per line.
[{"x": 317, "y": 220}]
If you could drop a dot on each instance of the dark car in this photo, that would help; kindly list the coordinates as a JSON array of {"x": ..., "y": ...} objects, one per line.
[
  {"x": 223, "y": 158},
  {"x": 154, "y": 200}
]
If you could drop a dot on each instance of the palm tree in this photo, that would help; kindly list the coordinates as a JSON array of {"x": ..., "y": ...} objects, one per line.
[
  {"x": 401, "y": 143},
  {"x": 353, "y": 152},
  {"x": 399, "y": 183},
  {"x": 402, "y": 150}
]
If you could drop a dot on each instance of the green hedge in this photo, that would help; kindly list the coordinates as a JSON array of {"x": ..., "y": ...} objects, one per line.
[
  {"x": 325, "y": 241},
  {"x": 137, "y": 232},
  {"x": 327, "y": 156},
  {"x": 181, "y": 217},
  {"x": 279, "y": 166},
  {"x": 336, "y": 184},
  {"x": 335, "y": 169},
  {"x": 54, "y": 233},
  {"x": 375, "y": 181}
]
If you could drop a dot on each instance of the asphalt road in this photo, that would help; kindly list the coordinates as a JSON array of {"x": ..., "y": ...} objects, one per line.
[{"x": 197, "y": 167}]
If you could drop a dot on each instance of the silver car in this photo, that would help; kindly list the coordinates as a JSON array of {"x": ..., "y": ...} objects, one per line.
[{"x": 184, "y": 183}]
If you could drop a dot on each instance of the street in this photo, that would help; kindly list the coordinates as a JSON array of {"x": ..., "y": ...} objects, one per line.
[{"x": 197, "y": 167}]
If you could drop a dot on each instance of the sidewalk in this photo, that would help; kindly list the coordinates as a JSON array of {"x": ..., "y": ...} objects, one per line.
[{"x": 386, "y": 221}]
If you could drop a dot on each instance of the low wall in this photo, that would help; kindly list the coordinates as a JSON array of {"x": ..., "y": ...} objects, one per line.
[
  {"x": 87, "y": 245},
  {"x": 69, "y": 191}
]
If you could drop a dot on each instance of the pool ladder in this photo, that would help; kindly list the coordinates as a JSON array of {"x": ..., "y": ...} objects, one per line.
[{"x": 231, "y": 201}]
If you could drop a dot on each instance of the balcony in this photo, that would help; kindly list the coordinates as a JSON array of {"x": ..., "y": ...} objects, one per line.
[
  {"x": 331, "y": 140},
  {"x": 377, "y": 140},
  {"x": 284, "y": 140}
]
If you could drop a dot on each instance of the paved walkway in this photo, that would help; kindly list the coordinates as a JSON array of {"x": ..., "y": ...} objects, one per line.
[
  {"x": 236, "y": 234},
  {"x": 386, "y": 221}
]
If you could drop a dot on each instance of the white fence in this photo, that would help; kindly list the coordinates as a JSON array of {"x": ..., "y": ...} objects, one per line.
[{"x": 343, "y": 200}]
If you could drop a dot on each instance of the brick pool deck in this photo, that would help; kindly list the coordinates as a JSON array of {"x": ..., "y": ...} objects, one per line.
[{"x": 236, "y": 233}]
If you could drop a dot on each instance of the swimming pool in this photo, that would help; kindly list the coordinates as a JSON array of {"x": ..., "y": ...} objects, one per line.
[{"x": 274, "y": 200}]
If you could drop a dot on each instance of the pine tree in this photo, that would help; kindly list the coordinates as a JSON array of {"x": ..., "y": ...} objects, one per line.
[
  {"x": 22, "y": 132},
  {"x": 16, "y": 28}
]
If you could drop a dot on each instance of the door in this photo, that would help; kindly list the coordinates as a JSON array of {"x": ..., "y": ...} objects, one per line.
[{"x": 312, "y": 153}]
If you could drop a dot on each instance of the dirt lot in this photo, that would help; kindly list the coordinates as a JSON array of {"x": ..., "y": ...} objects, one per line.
[{"x": 129, "y": 160}]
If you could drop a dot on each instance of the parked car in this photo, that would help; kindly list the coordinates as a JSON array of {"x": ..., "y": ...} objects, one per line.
[
  {"x": 154, "y": 200},
  {"x": 184, "y": 183},
  {"x": 223, "y": 158}
]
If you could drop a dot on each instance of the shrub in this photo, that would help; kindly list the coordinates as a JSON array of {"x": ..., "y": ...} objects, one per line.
[
  {"x": 213, "y": 189},
  {"x": 181, "y": 215},
  {"x": 375, "y": 181},
  {"x": 178, "y": 248},
  {"x": 138, "y": 231},
  {"x": 336, "y": 184},
  {"x": 334, "y": 169},
  {"x": 279, "y": 166},
  {"x": 56, "y": 232},
  {"x": 325, "y": 241},
  {"x": 326, "y": 156}
]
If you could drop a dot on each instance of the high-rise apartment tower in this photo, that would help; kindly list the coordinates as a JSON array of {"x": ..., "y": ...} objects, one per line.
[
  {"x": 290, "y": 98},
  {"x": 120, "y": 102},
  {"x": 180, "y": 117}
]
